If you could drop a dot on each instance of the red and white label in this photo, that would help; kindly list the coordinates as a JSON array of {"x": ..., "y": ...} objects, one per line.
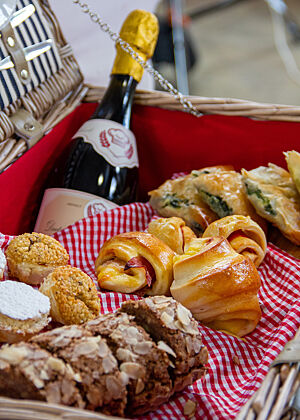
[
  {"x": 62, "y": 207},
  {"x": 112, "y": 141}
]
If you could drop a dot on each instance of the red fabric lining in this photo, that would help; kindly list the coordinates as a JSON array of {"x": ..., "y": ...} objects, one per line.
[{"x": 168, "y": 142}]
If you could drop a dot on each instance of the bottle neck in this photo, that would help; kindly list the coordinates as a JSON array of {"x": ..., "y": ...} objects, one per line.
[{"x": 117, "y": 101}]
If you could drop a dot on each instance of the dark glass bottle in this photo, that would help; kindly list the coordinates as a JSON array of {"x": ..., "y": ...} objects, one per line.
[
  {"x": 101, "y": 168},
  {"x": 89, "y": 171}
]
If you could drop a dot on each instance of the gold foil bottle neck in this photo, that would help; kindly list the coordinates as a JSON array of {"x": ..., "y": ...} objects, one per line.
[{"x": 140, "y": 29}]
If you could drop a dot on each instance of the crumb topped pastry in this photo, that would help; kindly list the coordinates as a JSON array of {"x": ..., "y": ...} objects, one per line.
[
  {"x": 29, "y": 372},
  {"x": 23, "y": 311},
  {"x": 32, "y": 256},
  {"x": 73, "y": 295},
  {"x": 175, "y": 331},
  {"x": 2, "y": 264}
]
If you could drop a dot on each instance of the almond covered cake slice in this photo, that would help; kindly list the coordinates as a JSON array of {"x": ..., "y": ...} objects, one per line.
[
  {"x": 144, "y": 364},
  {"x": 29, "y": 372},
  {"x": 175, "y": 331},
  {"x": 103, "y": 386}
]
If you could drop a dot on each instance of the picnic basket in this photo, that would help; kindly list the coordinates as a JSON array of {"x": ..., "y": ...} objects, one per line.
[{"x": 37, "y": 125}]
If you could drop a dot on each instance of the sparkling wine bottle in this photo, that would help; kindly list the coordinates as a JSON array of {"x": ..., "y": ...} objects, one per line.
[{"x": 101, "y": 169}]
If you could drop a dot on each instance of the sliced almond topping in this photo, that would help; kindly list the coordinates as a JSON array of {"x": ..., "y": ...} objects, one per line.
[
  {"x": 109, "y": 363},
  {"x": 143, "y": 347},
  {"x": 189, "y": 408},
  {"x": 140, "y": 386},
  {"x": 166, "y": 319},
  {"x": 183, "y": 314},
  {"x": 164, "y": 346},
  {"x": 103, "y": 349},
  {"x": 133, "y": 370},
  {"x": 56, "y": 364},
  {"x": 125, "y": 355},
  {"x": 114, "y": 386},
  {"x": 13, "y": 355},
  {"x": 86, "y": 346},
  {"x": 33, "y": 375}
]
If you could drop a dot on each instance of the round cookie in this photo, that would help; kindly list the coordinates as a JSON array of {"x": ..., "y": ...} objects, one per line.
[
  {"x": 73, "y": 295},
  {"x": 32, "y": 256}
]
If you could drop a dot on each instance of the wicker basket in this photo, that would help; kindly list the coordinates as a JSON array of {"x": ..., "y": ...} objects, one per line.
[{"x": 56, "y": 98}]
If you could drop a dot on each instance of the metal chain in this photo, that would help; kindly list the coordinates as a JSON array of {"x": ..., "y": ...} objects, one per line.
[{"x": 165, "y": 84}]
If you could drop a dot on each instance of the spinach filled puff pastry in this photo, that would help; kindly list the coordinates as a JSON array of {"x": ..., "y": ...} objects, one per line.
[
  {"x": 273, "y": 194},
  {"x": 218, "y": 285},
  {"x": 222, "y": 189},
  {"x": 179, "y": 198},
  {"x": 134, "y": 262},
  {"x": 244, "y": 235}
]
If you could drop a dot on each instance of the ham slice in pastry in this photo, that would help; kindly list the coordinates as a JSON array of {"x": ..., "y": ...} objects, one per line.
[
  {"x": 179, "y": 198},
  {"x": 135, "y": 262},
  {"x": 273, "y": 194},
  {"x": 173, "y": 232},
  {"x": 218, "y": 285},
  {"x": 244, "y": 235}
]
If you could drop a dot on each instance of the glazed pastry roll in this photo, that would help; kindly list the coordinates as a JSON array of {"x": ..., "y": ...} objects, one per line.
[
  {"x": 179, "y": 198},
  {"x": 223, "y": 191},
  {"x": 293, "y": 162},
  {"x": 273, "y": 194},
  {"x": 218, "y": 285},
  {"x": 244, "y": 235},
  {"x": 135, "y": 262},
  {"x": 173, "y": 232}
]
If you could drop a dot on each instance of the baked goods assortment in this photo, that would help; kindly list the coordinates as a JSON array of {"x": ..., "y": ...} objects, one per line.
[
  {"x": 173, "y": 232},
  {"x": 73, "y": 295},
  {"x": 24, "y": 311},
  {"x": 32, "y": 256},
  {"x": 218, "y": 285},
  {"x": 244, "y": 235},
  {"x": 134, "y": 262},
  {"x": 111, "y": 363},
  {"x": 293, "y": 163}
]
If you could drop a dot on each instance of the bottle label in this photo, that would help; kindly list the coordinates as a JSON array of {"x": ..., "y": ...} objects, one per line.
[
  {"x": 62, "y": 207},
  {"x": 111, "y": 140}
]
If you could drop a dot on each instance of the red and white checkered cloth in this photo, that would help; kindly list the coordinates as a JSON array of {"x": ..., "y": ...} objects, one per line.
[{"x": 228, "y": 384}]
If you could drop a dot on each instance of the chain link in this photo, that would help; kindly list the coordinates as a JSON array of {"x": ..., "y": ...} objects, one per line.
[{"x": 165, "y": 84}]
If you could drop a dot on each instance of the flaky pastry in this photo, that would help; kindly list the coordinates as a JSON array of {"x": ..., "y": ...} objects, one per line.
[
  {"x": 173, "y": 232},
  {"x": 32, "y": 256},
  {"x": 218, "y": 285},
  {"x": 244, "y": 235},
  {"x": 24, "y": 311},
  {"x": 179, "y": 198},
  {"x": 273, "y": 194},
  {"x": 73, "y": 295},
  {"x": 135, "y": 261},
  {"x": 223, "y": 191}
]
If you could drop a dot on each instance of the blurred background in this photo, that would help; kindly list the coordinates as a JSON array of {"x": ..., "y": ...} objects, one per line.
[
  {"x": 234, "y": 48},
  {"x": 247, "y": 49}
]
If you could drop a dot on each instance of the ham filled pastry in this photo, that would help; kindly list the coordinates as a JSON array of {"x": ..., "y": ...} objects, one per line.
[
  {"x": 173, "y": 232},
  {"x": 135, "y": 262},
  {"x": 218, "y": 285},
  {"x": 244, "y": 235}
]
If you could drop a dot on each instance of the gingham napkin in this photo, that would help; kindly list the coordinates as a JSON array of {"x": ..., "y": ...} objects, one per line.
[{"x": 236, "y": 366}]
